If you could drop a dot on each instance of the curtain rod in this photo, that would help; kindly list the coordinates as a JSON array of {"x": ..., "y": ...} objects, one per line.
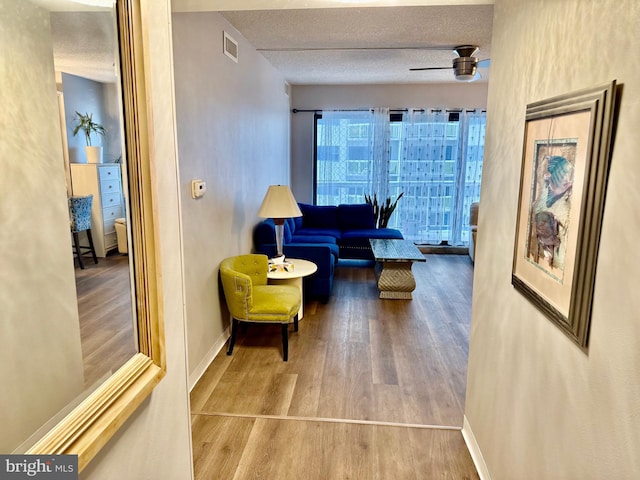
[{"x": 319, "y": 110}]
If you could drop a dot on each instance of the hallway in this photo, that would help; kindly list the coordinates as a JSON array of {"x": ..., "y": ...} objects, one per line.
[{"x": 372, "y": 389}]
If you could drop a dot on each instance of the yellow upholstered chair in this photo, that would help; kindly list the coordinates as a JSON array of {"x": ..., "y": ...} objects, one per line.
[{"x": 250, "y": 299}]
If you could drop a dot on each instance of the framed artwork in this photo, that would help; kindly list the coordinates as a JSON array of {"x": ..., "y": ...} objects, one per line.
[{"x": 565, "y": 163}]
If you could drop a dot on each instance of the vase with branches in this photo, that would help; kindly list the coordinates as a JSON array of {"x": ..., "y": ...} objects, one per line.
[{"x": 382, "y": 211}]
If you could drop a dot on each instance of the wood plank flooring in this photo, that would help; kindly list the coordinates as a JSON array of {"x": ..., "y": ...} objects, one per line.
[
  {"x": 373, "y": 388},
  {"x": 107, "y": 332}
]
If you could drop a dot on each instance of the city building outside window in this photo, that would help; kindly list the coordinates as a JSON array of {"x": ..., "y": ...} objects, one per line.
[{"x": 433, "y": 157}]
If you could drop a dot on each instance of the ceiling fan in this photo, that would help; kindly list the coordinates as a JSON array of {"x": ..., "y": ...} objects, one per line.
[{"x": 464, "y": 66}]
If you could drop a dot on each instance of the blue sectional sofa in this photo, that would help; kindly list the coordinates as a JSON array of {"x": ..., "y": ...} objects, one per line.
[{"x": 323, "y": 235}]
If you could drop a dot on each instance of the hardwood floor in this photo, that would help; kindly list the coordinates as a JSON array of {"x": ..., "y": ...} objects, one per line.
[
  {"x": 373, "y": 389},
  {"x": 107, "y": 333}
]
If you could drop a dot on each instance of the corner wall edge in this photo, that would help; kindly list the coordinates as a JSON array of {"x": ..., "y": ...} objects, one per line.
[{"x": 474, "y": 450}]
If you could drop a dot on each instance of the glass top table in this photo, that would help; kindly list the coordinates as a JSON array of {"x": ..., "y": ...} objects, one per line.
[{"x": 394, "y": 250}]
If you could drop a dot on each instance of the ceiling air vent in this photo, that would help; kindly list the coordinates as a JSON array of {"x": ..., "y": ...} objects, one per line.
[{"x": 230, "y": 47}]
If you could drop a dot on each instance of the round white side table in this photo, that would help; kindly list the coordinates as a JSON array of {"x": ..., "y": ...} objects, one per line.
[{"x": 301, "y": 269}]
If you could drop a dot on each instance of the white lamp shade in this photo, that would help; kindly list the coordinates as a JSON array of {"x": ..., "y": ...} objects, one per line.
[{"x": 279, "y": 203}]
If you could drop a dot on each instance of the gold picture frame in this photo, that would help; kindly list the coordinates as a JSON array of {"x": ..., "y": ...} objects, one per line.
[{"x": 565, "y": 163}]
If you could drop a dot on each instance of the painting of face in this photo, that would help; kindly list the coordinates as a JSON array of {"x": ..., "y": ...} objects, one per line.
[{"x": 550, "y": 207}]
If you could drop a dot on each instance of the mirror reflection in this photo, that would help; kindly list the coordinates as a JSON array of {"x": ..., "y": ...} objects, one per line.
[{"x": 68, "y": 321}]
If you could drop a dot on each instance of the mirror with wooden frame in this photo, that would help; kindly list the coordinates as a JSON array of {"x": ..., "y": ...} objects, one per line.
[{"x": 37, "y": 283}]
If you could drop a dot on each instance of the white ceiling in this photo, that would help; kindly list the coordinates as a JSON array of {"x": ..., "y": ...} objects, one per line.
[
  {"x": 367, "y": 44},
  {"x": 314, "y": 42},
  {"x": 308, "y": 45},
  {"x": 84, "y": 44},
  {"x": 83, "y": 37}
]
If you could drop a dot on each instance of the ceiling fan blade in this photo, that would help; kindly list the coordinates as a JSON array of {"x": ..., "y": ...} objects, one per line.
[
  {"x": 486, "y": 63},
  {"x": 430, "y": 68}
]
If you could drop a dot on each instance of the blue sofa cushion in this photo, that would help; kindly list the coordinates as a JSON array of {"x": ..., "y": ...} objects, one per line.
[
  {"x": 317, "y": 240},
  {"x": 323, "y": 232},
  {"x": 371, "y": 233},
  {"x": 289, "y": 228},
  {"x": 315, "y": 216},
  {"x": 356, "y": 216},
  {"x": 264, "y": 232},
  {"x": 314, "y": 239}
]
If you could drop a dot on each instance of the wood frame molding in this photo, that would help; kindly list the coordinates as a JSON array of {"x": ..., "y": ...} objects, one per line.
[{"x": 91, "y": 424}]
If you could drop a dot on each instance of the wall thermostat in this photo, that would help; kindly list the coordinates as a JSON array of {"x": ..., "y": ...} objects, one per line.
[{"x": 198, "y": 187}]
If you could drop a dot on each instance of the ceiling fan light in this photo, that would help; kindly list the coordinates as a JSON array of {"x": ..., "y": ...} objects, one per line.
[
  {"x": 465, "y": 78},
  {"x": 464, "y": 68}
]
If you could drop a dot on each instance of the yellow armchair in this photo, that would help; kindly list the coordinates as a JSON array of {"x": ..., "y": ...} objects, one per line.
[{"x": 250, "y": 299}]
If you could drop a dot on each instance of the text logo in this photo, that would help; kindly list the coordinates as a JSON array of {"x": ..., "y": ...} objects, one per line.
[{"x": 50, "y": 467}]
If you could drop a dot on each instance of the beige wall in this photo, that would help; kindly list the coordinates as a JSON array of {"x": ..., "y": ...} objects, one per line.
[
  {"x": 539, "y": 407},
  {"x": 40, "y": 355},
  {"x": 155, "y": 443},
  {"x": 233, "y": 132},
  {"x": 313, "y": 97}
]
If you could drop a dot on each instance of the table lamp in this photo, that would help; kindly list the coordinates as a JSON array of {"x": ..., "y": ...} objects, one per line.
[{"x": 279, "y": 204}]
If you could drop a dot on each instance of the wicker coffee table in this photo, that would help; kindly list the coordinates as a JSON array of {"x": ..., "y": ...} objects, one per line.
[{"x": 394, "y": 259}]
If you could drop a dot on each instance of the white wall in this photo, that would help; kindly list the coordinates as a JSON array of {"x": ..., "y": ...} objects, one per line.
[
  {"x": 539, "y": 407},
  {"x": 40, "y": 355},
  {"x": 314, "y": 97},
  {"x": 155, "y": 443},
  {"x": 101, "y": 100},
  {"x": 233, "y": 132}
]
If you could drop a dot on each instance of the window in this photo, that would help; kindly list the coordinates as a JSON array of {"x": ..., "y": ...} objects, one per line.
[
  {"x": 433, "y": 157},
  {"x": 328, "y": 153}
]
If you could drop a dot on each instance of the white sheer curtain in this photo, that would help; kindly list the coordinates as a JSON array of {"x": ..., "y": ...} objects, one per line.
[
  {"x": 439, "y": 170},
  {"x": 433, "y": 157},
  {"x": 380, "y": 146},
  {"x": 422, "y": 176},
  {"x": 472, "y": 125},
  {"x": 332, "y": 134},
  {"x": 352, "y": 155}
]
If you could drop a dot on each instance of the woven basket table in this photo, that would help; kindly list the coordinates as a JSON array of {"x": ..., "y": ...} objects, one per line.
[{"x": 394, "y": 259}]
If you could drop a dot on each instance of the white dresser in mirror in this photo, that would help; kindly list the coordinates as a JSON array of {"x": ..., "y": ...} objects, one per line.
[{"x": 104, "y": 181}]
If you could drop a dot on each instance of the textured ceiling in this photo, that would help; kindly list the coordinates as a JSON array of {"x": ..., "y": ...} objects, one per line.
[
  {"x": 366, "y": 45},
  {"x": 84, "y": 44},
  {"x": 356, "y": 45},
  {"x": 83, "y": 37}
]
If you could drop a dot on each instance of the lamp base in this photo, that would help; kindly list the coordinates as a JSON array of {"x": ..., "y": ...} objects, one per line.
[{"x": 279, "y": 223}]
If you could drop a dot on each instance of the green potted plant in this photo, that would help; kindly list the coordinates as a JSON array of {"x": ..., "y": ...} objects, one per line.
[
  {"x": 382, "y": 212},
  {"x": 88, "y": 126}
]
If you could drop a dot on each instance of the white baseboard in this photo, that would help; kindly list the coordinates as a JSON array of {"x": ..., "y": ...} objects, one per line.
[
  {"x": 197, "y": 372},
  {"x": 474, "y": 450}
]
